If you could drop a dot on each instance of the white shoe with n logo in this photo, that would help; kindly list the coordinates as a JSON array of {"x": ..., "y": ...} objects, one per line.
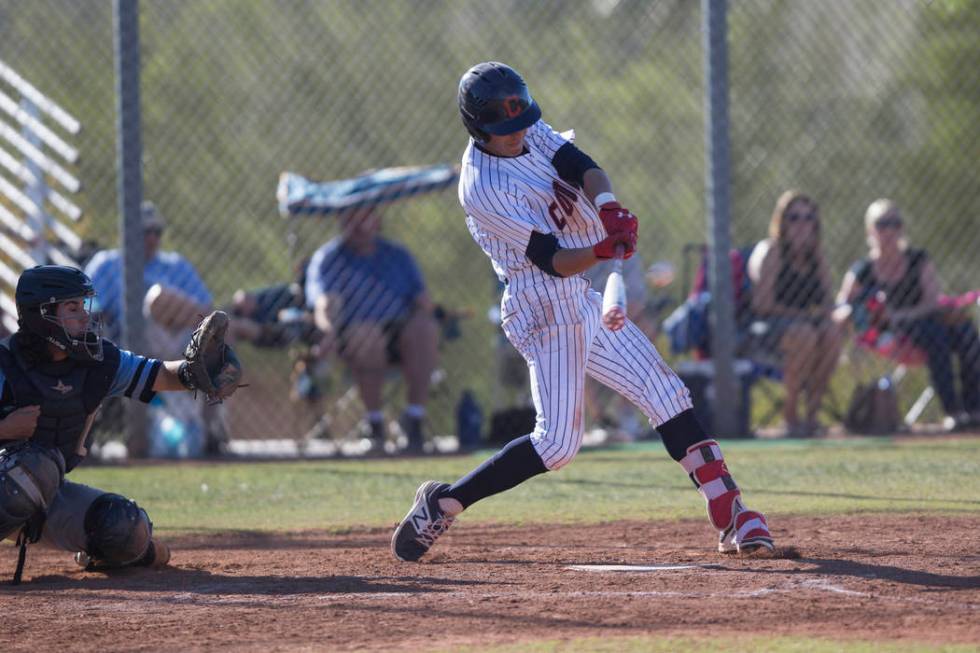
[{"x": 423, "y": 524}]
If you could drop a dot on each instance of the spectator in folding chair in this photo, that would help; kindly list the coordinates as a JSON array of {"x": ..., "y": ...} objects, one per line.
[
  {"x": 896, "y": 289},
  {"x": 370, "y": 302},
  {"x": 792, "y": 301}
]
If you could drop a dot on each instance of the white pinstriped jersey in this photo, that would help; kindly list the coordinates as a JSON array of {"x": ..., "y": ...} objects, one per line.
[
  {"x": 553, "y": 321},
  {"x": 505, "y": 199}
]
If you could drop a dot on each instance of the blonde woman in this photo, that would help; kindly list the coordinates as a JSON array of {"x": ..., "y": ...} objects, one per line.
[
  {"x": 905, "y": 280},
  {"x": 792, "y": 298}
]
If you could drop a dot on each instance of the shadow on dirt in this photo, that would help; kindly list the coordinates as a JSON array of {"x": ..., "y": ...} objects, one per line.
[
  {"x": 868, "y": 571},
  {"x": 184, "y": 583},
  {"x": 224, "y": 539}
]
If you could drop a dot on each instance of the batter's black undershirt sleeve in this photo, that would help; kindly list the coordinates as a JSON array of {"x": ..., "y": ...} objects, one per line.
[
  {"x": 572, "y": 163},
  {"x": 541, "y": 249}
]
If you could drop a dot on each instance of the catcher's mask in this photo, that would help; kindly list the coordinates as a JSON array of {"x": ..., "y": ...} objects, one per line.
[
  {"x": 493, "y": 99},
  {"x": 39, "y": 292}
]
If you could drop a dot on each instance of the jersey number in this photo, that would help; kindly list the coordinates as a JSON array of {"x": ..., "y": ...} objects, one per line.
[{"x": 562, "y": 207}]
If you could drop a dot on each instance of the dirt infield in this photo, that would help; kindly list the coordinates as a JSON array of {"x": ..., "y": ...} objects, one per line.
[{"x": 857, "y": 577}]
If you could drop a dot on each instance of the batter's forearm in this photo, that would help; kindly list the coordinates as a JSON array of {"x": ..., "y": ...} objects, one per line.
[
  {"x": 594, "y": 182},
  {"x": 572, "y": 261}
]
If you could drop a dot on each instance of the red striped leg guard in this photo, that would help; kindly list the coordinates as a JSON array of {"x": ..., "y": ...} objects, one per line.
[{"x": 706, "y": 467}]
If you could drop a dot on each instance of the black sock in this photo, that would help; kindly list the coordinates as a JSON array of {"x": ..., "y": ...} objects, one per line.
[
  {"x": 509, "y": 467},
  {"x": 680, "y": 433}
]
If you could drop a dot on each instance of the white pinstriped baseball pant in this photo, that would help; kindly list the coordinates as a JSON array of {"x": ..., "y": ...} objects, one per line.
[{"x": 560, "y": 355}]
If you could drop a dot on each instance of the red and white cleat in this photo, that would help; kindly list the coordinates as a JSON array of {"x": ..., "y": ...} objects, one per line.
[{"x": 748, "y": 534}]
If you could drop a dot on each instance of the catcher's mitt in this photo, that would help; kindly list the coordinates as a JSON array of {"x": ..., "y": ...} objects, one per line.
[{"x": 209, "y": 364}]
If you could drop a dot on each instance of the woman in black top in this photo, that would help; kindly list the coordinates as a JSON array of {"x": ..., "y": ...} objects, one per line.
[
  {"x": 791, "y": 297},
  {"x": 905, "y": 281}
]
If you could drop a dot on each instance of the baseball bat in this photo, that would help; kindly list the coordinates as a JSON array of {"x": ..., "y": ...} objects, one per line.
[{"x": 614, "y": 295}]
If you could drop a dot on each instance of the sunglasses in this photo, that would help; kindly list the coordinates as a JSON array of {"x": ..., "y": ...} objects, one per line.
[
  {"x": 807, "y": 216},
  {"x": 888, "y": 223},
  {"x": 156, "y": 231}
]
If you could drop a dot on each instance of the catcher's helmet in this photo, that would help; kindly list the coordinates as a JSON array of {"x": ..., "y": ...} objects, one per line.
[
  {"x": 493, "y": 99},
  {"x": 40, "y": 290}
]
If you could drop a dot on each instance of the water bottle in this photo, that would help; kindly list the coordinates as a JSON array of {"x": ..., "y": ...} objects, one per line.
[
  {"x": 469, "y": 420},
  {"x": 174, "y": 433}
]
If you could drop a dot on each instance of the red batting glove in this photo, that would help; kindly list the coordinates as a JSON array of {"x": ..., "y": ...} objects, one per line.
[
  {"x": 606, "y": 248},
  {"x": 616, "y": 218}
]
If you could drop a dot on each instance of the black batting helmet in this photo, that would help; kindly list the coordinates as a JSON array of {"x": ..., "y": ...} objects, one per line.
[
  {"x": 493, "y": 99},
  {"x": 39, "y": 290}
]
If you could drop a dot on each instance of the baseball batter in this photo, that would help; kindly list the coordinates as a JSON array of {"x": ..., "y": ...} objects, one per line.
[{"x": 544, "y": 212}]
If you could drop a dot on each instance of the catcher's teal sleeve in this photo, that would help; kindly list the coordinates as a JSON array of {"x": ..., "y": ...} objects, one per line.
[{"x": 135, "y": 376}]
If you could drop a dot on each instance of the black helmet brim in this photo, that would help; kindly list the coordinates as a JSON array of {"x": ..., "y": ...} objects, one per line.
[{"x": 529, "y": 116}]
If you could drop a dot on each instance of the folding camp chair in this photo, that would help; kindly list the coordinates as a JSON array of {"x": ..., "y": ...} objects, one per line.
[
  {"x": 754, "y": 346},
  {"x": 759, "y": 366},
  {"x": 903, "y": 354}
]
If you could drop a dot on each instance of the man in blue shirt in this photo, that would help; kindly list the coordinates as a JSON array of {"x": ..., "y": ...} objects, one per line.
[
  {"x": 369, "y": 301},
  {"x": 55, "y": 372},
  {"x": 175, "y": 299},
  {"x": 177, "y": 295}
]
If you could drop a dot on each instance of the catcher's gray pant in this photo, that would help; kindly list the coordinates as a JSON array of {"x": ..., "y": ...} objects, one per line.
[
  {"x": 65, "y": 525},
  {"x": 560, "y": 355}
]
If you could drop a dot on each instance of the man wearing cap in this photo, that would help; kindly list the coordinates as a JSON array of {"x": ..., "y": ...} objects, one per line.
[
  {"x": 176, "y": 295},
  {"x": 174, "y": 302}
]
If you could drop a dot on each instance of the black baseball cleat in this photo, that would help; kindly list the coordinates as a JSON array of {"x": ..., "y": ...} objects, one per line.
[{"x": 423, "y": 524}]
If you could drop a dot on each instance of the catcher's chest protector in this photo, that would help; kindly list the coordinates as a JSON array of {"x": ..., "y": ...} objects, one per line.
[{"x": 67, "y": 392}]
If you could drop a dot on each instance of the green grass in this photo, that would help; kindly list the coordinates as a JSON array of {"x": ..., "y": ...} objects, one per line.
[
  {"x": 726, "y": 645},
  {"x": 632, "y": 482}
]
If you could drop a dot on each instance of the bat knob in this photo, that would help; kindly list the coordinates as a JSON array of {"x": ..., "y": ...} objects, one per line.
[{"x": 614, "y": 319}]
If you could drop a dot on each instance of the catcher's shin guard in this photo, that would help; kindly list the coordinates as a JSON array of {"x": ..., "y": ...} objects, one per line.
[{"x": 739, "y": 529}]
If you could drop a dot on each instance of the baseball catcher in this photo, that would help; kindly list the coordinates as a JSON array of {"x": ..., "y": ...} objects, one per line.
[{"x": 55, "y": 371}]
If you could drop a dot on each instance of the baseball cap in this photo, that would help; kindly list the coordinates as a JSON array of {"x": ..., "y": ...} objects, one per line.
[{"x": 150, "y": 216}]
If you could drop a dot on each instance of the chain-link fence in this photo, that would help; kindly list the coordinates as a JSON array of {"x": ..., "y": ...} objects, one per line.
[{"x": 848, "y": 102}]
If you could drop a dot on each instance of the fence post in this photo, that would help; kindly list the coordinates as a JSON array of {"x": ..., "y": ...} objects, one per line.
[
  {"x": 724, "y": 404},
  {"x": 129, "y": 171}
]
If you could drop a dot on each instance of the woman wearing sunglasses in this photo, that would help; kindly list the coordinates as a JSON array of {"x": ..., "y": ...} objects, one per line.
[
  {"x": 792, "y": 299},
  {"x": 901, "y": 284}
]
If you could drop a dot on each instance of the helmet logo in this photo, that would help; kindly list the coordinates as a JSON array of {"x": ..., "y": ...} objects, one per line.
[
  {"x": 512, "y": 106},
  {"x": 62, "y": 388}
]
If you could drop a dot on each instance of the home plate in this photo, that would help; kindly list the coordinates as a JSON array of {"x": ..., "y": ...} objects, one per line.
[{"x": 639, "y": 568}]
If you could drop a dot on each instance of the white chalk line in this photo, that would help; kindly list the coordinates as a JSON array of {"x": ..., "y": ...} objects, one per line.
[{"x": 638, "y": 568}]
